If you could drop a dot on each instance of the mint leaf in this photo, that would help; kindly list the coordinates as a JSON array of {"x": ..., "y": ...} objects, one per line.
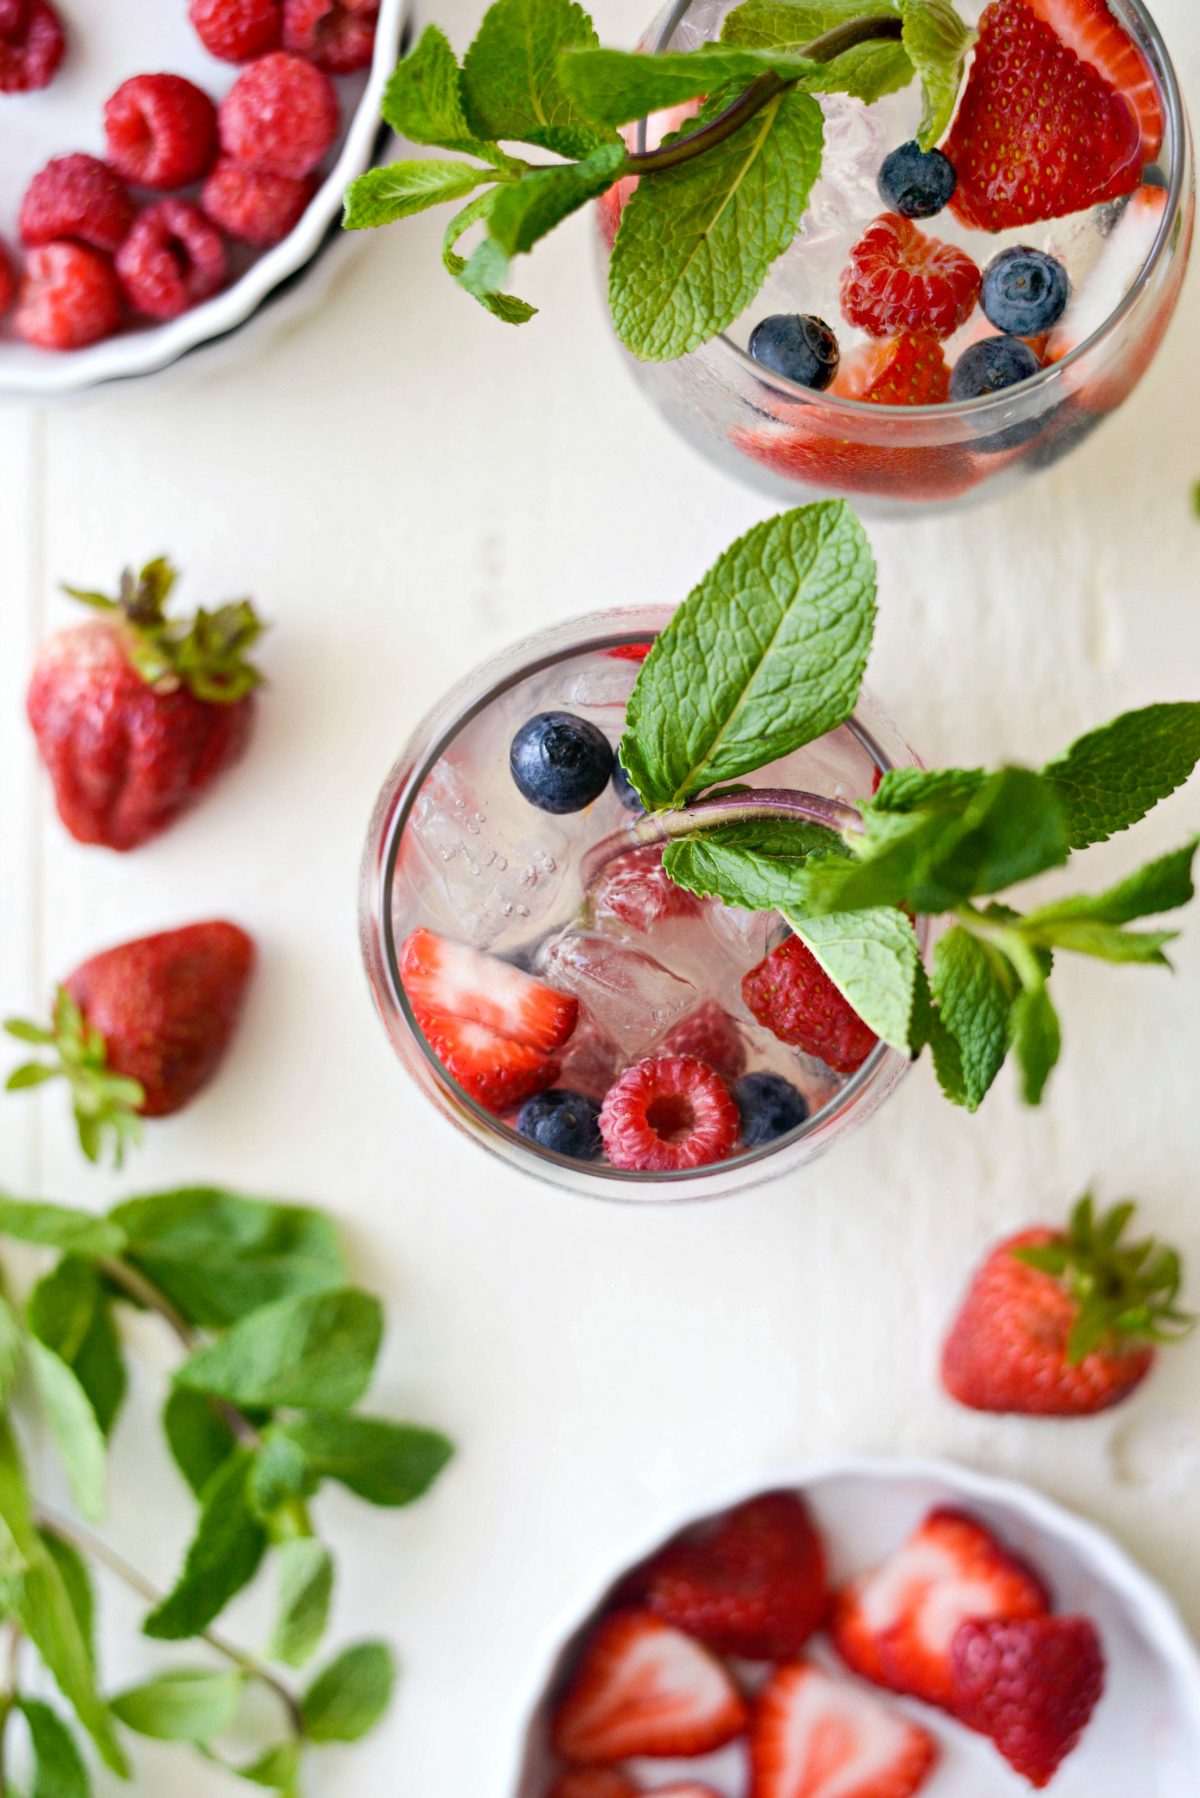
[
  {"x": 1113, "y": 776},
  {"x": 872, "y": 959},
  {"x": 185, "y": 1705},
  {"x": 765, "y": 655},
  {"x": 511, "y": 82},
  {"x": 347, "y": 1700},
  {"x": 12, "y": 1352},
  {"x": 504, "y": 306},
  {"x": 77, "y": 1584},
  {"x": 753, "y": 865},
  {"x": 59, "y": 1770},
  {"x": 200, "y": 1440},
  {"x": 615, "y": 87},
  {"x": 218, "y": 1255},
  {"x": 1010, "y": 831},
  {"x": 281, "y": 1475},
  {"x": 1106, "y": 942},
  {"x": 929, "y": 1028},
  {"x": 974, "y": 986},
  {"x": 223, "y": 1557},
  {"x": 60, "y": 1227},
  {"x": 318, "y": 1349},
  {"x": 385, "y": 1463},
  {"x": 1162, "y": 885},
  {"x": 278, "y": 1768},
  {"x": 868, "y": 71},
  {"x": 911, "y": 789},
  {"x": 696, "y": 241},
  {"x": 305, "y": 1594},
  {"x": 523, "y": 212},
  {"x": 1037, "y": 1040},
  {"x": 381, "y": 196},
  {"x": 423, "y": 101},
  {"x": 937, "y": 41},
  {"x": 74, "y": 1427},
  {"x": 71, "y": 1312}
]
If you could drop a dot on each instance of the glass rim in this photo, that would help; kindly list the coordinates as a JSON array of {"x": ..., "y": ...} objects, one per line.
[
  {"x": 622, "y": 1184},
  {"x": 1047, "y": 380}
]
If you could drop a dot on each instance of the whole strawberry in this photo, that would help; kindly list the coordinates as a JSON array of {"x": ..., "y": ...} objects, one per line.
[
  {"x": 135, "y": 714},
  {"x": 1064, "y": 1323},
  {"x": 791, "y": 995},
  {"x": 138, "y": 1030}
]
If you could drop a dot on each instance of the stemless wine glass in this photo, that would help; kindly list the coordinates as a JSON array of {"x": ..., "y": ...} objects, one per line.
[
  {"x": 453, "y": 847},
  {"x": 795, "y": 444}
]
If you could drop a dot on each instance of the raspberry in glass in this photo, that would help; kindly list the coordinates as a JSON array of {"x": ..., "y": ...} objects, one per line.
[
  {"x": 161, "y": 131},
  {"x": 77, "y": 196},
  {"x": 280, "y": 116},
  {"x": 662, "y": 1116},
  {"x": 172, "y": 259},
  {"x": 254, "y": 208},
  {"x": 237, "y": 30},
  {"x": 70, "y": 297}
]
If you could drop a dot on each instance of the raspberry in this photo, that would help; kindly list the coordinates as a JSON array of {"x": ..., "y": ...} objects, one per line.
[
  {"x": 70, "y": 297},
  {"x": 172, "y": 259},
  {"x": 8, "y": 285},
  {"x": 338, "y": 35},
  {"x": 664, "y": 1115},
  {"x": 161, "y": 131},
  {"x": 634, "y": 888},
  {"x": 236, "y": 30},
  {"x": 710, "y": 1035},
  {"x": 898, "y": 279},
  {"x": 32, "y": 45},
  {"x": 281, "y": 116},
  {"x": 255, "y": 208},
  {"x": 793, "y": 997},
  {"x": 77, "y": 196}
]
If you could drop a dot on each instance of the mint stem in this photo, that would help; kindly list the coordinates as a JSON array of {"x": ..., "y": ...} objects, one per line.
[
  {"x": 744, "y": 808},
  {"x": 760, "y": 93}
]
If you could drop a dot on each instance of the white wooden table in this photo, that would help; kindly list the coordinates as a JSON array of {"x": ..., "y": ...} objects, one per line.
[{"x": 406, "y": 486}]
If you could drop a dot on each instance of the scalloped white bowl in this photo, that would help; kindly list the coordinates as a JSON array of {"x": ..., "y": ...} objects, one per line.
[
  {"x": 107, "y": 45},
  {"x": 1143, "y": 1740}
]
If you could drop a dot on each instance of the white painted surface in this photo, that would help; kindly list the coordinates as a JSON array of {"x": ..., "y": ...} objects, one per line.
[{"x": 406, "y": 485}]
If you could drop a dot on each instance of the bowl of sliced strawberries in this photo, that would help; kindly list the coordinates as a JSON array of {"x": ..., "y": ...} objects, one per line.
[{"x": 867, "y": 1628}]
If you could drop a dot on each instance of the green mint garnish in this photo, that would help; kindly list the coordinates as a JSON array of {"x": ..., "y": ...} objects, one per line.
[
  {"x": 716, "y": 204},
  {"x": 767, "y": 654}
]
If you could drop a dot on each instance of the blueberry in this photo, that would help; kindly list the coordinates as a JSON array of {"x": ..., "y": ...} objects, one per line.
[
  {"x": 624, "y": 789},
  {"x": 798, "y": 347},
  {"x": 770, "y": 1106},
  {"x": 1025, "y": 291},
  {"x": 917, "y": 182},
  {"x": 560, "y": 762},
  {"x": 565, "y": 1122},
  {"x": 990, "y": 366}
]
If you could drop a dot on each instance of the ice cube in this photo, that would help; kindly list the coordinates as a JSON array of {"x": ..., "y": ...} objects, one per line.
[
  {"x": 604, "y": 686},
  {"x": 591, "y": 1061},
  {"x": 630, "y": 996}
]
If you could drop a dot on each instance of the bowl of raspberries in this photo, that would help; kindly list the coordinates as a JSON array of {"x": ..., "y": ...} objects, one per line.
[{"x": 166, "y": 165}]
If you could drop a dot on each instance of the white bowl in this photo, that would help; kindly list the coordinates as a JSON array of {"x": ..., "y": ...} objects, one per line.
[
  {"x": 107, "y": 45},
  {"x": 1143, "y": 1740}
]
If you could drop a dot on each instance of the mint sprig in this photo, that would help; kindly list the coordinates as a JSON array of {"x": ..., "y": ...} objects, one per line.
[
  {"x": 766, "y": 655},
  {"x": 715, "y": 205}
]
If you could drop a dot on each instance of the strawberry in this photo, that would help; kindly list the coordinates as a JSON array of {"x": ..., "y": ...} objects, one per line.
[
  {"x": 455, "y": 981},
  {"x": 1039, "y": 133},
  {"x": 135, "y": 715},
  {"x": 792, "y": 996},
  {"x": 643, "y": 1688},
  {"x": 635, "y": 889},
  {"x": 630, "y": 652},
  {"x": 1031, "y": 1686},
  {"x": 1064, "y": 1323},
  {"x": 896, "y": 1625},
  {"x": 909, "y": 370},
  {"x": 594, "y": 1782},
  {"x": 751, "y": 1584},
  {"x": 710, "y": 1035},
  {"x": 138, "y": 1030},
  {"x": 1090, "y": 28},
  {"x": 493, "y": 1070},
  {"x": 900, "y": 279},
  {"x": 814, "y": 1736}
]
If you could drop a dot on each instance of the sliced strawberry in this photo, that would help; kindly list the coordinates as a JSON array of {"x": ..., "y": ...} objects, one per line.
[
  {"x": 496, "y": 1071},
  {"x": 1039, "y": 133},
  {"x": 689, "y": 1788},
  {"x": 896, "y": 1625},
  {"x": 710, "y": 1035},
  {"x": 818, "y": 1737},
  {"x": 909, "y": 370},
  {"x": 899, "y": 278},
  {"x": 1031, "y": 1686},
  {"x": 751, "y": 1584},
  {"x": 455, "y": 981},
  {"x": 643, "y": 1688},
  {"x": 631, "y": 652},
  {"x": 1089, "y": 28},
  {"x": 594, "y": 1782}
]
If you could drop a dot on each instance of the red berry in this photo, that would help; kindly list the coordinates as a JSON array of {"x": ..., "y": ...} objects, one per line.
[
  {"x": 161, "y": 131},
  {"x": 899, "y": 279},
  {"x": 1090, "y": 28},
  {"x": 281, "y": 116},
  {"x": 642, "y": 1688},
  {"x": 630, "y": 652},
  {"x": 32, "y": 45},
  {"x": 594, "y": 1782},
  {"x": 171, "y": 260},
  {"x": 1039, "y": 132},
  {"x": 255, "y": 208},
  {"x": 338, "y": 35},
  {"x": 710, "y": 1035},
  {"x": 77, "y": 196},
  {"x": 1031, "y": 1686},
  {"x": 8, "y": 282},
  {"x": 910, "y": 370},
  {"x": 792, "y": 996},
  {"x": 815, "y": 1736},
  {"x": 752, "y": 1584},
  {"x": 634, "y": 888},
  {"x": 236, "y": 30},
  {"x": 665, "y": 1115},
  {"x": 70, "y": 297}
]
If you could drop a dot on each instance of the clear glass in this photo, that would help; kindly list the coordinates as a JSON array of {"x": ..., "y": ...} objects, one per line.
[
  {"x": 795, "y": 445},
  {"x": 453, "y": 847}
]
